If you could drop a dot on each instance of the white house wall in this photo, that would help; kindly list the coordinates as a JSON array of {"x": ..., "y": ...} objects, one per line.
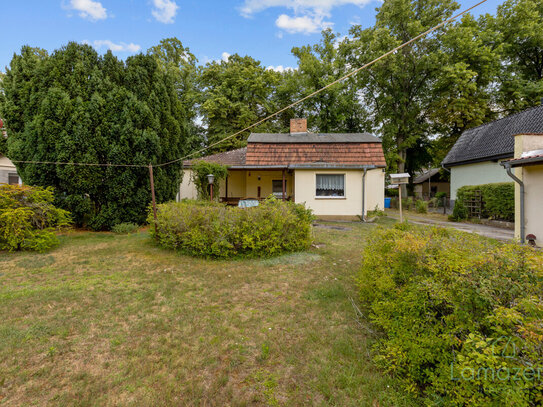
[
  {"x": 351, "y": 205},
  {"x": 487, "y": 172}
]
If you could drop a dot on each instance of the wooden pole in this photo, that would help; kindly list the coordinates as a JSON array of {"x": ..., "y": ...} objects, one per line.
[
  {"x": 400, "y": 202},
  {"x": 211, "y": 192},
  {"x": 153, "y": 194},
  {"x": 284, "y": 189}
]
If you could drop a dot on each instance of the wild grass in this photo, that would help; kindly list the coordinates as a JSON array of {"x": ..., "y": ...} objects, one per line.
[{"x": 112, "y": 320}]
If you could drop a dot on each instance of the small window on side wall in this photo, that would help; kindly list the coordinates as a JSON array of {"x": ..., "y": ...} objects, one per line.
[
  {"x": 13, "y": 178},
  {"x": 331, "y": 185}
]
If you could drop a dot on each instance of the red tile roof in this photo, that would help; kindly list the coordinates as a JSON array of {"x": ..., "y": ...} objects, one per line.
[{"x": 300, "y": 153}]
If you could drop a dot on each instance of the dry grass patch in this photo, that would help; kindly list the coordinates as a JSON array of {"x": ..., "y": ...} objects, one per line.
[{"x": 114, "y": 320}]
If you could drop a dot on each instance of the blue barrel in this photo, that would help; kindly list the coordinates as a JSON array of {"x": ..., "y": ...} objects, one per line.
[{"x": 387, "y": 202}]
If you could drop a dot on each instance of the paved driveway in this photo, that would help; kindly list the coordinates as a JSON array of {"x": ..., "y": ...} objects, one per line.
[{"x": 483, "y": 230}]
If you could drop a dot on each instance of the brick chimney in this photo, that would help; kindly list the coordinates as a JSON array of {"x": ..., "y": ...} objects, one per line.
[{"x": 298, "y": 126}]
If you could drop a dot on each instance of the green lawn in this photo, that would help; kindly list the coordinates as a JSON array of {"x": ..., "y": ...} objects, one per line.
[{"x": 114, "y": 320}]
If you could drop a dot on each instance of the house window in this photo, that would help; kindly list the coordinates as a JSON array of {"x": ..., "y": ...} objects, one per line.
[
  {"x": 13, "y": 178},
  {"x": 277, "y": 188},
  {"x": 331, "y": 185}
]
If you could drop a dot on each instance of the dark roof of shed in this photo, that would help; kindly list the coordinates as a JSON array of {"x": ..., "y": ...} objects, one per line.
[
  {"x": 233, "y": 157},
  {"x": 495, "y": 139},
  {"x": 313, "y": 138},
  {"x": 425, "y": 175}
]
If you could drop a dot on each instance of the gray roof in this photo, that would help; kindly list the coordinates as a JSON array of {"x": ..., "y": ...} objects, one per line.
[
  {"x": 313, "y": 138},
  {"x": 494, "y": 140},
  {"x": 425, "y": 175}
]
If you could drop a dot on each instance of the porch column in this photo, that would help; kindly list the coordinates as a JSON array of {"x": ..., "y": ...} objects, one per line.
[{"x": 284, "y": 189}]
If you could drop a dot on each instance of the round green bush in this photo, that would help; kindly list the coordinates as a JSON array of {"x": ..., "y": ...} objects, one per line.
[
  {"x": 28, "y": 218},
  {"x": 206, "y": 229}
]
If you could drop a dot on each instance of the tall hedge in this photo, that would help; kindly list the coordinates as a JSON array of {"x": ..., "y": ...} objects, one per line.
[
  {"x": 77, "y": 106},
  {"x": 498, "y": 199}
]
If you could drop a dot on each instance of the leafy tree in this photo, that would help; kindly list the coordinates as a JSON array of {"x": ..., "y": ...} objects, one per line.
[
  {"x": 520, "y": 25},
  {"x": 200, "y": 171},
  {"x": 337, "y": 109},
  {"x": 75, "y": 106},
  {"x": 177, "y": 61},
  {"x": 235, "y": 94}
]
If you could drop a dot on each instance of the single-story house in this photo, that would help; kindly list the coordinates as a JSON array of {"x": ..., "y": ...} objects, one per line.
[
  {"x": 526, "y": 169},
  {"x": 428, "y": 183},
  {"x": 475, "y": 158},
  {"x": 339, "y": 176}
]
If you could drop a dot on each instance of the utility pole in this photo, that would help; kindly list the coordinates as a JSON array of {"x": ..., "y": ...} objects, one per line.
[{"x": 153, "y": 194}]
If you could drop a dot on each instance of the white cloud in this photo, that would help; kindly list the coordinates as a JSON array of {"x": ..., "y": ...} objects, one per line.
[
  {"x": 323, "y": 7},
  {"x": 120, "y": 47},
  {"x": 303, "y": 24},
  {"x": 164, "y": 10},
  {"x": 280, "y": 68},
  {"x": 225, "y": 56},
  {"x": 309, "y": 15},
  {"x": 88, "y": 9}
]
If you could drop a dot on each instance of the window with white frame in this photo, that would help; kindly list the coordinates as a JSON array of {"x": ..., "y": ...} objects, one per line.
[{"x": 330, "y": 185}]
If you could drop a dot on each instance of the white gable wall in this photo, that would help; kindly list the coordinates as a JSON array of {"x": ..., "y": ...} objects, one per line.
[{"x": 487, "y": 172}]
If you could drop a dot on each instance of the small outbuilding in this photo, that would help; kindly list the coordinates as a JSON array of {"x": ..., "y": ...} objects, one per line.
[{"x": 338, "y": 175}]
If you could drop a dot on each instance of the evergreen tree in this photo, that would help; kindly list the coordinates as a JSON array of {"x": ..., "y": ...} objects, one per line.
[{"x": 75, "y": 106}]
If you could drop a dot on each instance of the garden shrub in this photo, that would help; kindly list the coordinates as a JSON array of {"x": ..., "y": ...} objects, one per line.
[
  {"x": 28, "y": 218},
  {"x": 209, "y": 229},
  {"x": 441, "y": 198},
  {"x": 452, "y": 307},
  {"x": 125, "y": 228},
  {"x": 421, "y": 206},
  {"x": 498, "y": 199},
  {"x": 460, "y": 212}
]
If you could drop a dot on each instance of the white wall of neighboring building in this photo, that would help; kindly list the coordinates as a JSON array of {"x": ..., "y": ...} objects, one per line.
[
  {"x": 487, "y": 172},
  {"x": 350, "y": 206},
  {"x": 187, "y": 189},
  {"x": 532, "y": 177},
  {"x": 6, "y": 168}
]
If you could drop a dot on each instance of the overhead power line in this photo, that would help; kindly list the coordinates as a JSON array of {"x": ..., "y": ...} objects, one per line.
[
  {"x": 259, "y": 122},
  {"x": 327, "y": 86}
]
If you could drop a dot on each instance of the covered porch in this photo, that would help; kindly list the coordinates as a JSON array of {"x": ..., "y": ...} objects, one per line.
[{"x": 257, "y": 183}]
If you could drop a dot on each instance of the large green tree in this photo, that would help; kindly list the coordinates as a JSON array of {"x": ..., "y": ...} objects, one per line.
[
  {"x": 235, "y": 93},
  {"x": 76, "y": 106},
  {"x": 338, "y": 108},
  {"x": 519, "y": 24}
]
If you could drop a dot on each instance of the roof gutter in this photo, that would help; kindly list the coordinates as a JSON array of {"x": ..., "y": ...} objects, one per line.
[{"x": 507, "y": 166}]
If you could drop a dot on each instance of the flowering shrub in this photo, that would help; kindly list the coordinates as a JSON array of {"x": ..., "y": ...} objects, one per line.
[
  {"x": 213, "y": 230},
  {"x": 460, "y": 315},
  {"x": 28, "y": 218}
]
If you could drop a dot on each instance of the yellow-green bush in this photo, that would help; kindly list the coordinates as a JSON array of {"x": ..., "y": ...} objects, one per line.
[
  {"x": 208, "y": 229},
  {"x": 28, "y": 218},
  {"x": 453, "y": 307}
]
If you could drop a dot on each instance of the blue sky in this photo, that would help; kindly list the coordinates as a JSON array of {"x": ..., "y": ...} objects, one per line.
[{"x": 264, "y": 29}]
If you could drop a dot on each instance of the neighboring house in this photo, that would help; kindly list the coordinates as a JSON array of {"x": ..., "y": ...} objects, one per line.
[
  {"x": 8, "y": 172},
  {"x": 430, "y": 182},
  {"x": 328, "y": 172},
  {"x": 476, "y": 156},
  {"x": 527, "y": 167}
]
